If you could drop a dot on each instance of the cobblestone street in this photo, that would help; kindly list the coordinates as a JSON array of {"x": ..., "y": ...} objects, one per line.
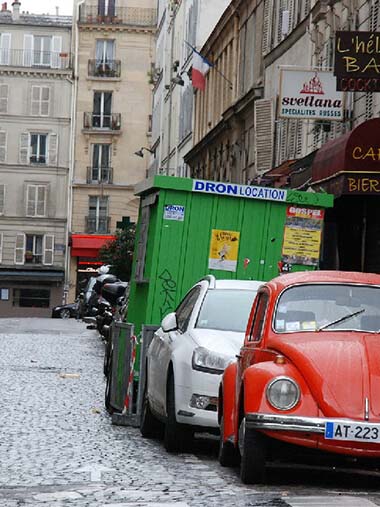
[{"x": 58, "y": 446}]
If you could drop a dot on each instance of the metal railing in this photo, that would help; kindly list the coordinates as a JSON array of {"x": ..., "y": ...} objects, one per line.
[
  {"x": 102, "y": 121},
  {"x": 99, "y": 175},
  {"x": 99, "y": 225},
  {"x": 138, "y": 16},
  {"x": 100, "y": 68},
  {"x": 35, "y": 59}
]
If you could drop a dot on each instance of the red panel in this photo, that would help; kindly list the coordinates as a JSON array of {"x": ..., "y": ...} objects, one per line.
[
  {"x": 85, "y": 245},
  {"x": 356, "y": 151}
]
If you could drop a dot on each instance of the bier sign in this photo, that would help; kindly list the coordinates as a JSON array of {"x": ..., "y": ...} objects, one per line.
[{"x": 357, "y": 61}]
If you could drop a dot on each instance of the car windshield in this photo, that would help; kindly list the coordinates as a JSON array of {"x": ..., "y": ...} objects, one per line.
[
  {"x": 226, "y": 309},
  {"x": 328, "y": 307}
]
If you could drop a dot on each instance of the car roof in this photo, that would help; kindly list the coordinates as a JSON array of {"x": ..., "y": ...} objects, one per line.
[
  {"x": 238, "y": 284},
  {"x": 302, "y": 277}
]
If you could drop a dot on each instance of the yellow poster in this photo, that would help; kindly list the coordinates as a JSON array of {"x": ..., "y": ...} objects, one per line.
[{"x": 224, "y": 249}]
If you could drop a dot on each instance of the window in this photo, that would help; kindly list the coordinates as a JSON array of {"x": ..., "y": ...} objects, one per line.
[
  {"x": 40, "y": 100},
  {"x": 33, "y": 252},
  {"x": 98, "y": 214},
  {"x": 38, "y": 144},
  {"x": 4, "y": 294},
  {"x": 1, "y": 247},
  {"x": 4, "y": 98},
  {"x": 102, "y": 110},
  {"x": 186, "y": 307},
  {"x": 106, "y": 8},
  {"x": 2, "y": 198},
  {"x": 259, "y": 318},
  {"x": 105, "y": 50},
  {"x": 42, "y": 51},
  {"x": 31, "y": 298},
  {"x": 34, "y": 249},
  {"x": 5, "y": 49},
  {"x": 36, "y": 200},
  {"x": 100, "y": 170}
]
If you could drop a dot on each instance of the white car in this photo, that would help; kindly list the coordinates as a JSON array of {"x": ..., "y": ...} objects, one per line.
[{"x": 187, "y": 356}]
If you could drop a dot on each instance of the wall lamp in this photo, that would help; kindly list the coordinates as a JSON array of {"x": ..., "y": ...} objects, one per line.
[{"x": 140, "y": 153}]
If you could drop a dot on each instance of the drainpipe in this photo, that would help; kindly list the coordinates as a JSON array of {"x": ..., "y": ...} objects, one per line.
[
  {"x": 74, "y": 96},
  {"x": 171, "y": 92}
]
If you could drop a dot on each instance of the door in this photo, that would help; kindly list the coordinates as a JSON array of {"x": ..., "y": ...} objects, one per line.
[
  {"x": 101, "y": 117},
  {"x": 104, "y": 57},
  {"x": 161, "y": 351}
]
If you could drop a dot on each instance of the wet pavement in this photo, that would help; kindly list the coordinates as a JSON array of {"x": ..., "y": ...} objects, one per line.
[{"x": 59, "y": 448}]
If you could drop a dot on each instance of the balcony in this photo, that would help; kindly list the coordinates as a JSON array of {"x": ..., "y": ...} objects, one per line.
[
  {"x": 96, "y": 122},
  {"x": 99, "y": 175},
  {"x": 99, "y": 225},
  {"x": 35, "y": 59},
  {"x": 101, "y": 69},
  {"x": 135, "y": 16}
]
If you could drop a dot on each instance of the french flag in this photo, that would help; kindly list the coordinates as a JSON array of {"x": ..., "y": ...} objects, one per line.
[{"x": 200, "y": 68}]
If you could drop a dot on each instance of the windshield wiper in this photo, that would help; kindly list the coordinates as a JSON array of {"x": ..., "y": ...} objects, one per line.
[{"x": 346, "y": 317}]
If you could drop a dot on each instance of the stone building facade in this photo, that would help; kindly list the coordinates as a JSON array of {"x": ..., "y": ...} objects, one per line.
[{"x": 35, "y": 111}]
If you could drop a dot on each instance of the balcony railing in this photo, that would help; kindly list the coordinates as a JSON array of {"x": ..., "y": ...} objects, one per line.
[
  {"x": 95, "y": 121},
  {"x": 35, "y": 59},
  {"x": 99, "y": 225},
  {"x": 99, "y": 68},
  {"x": 99, "y": 175},
  {"x": 137, "y": 16}
]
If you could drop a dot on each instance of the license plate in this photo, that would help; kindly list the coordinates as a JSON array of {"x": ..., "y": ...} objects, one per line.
[{"x": 355, "y": 432}]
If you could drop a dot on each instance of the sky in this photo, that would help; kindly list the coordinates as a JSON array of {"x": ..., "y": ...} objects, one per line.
[{"x": 45, "y": 6}]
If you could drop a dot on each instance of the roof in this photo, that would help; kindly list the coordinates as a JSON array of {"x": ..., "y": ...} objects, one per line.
[
  {"x": 36, "y": 19},
  {"x": 238, "y": 284},
  {"x": 325, "y": 277}
]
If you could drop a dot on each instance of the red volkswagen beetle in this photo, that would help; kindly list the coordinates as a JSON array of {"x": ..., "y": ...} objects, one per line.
[{"x": 308, "y": 373}]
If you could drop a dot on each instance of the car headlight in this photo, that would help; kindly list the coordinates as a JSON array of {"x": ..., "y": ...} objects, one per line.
[
  {"x": 283, "y": 393},
  {"x": 209, "y": 361}
]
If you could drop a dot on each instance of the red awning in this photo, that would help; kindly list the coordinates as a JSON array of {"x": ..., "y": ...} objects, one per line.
[
  {"x": 88, "y": 245},
  {"x": 355, "y": 151}
]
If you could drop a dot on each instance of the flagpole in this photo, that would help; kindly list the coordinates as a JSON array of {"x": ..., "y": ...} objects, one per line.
[{"x": 231, "y": 86}]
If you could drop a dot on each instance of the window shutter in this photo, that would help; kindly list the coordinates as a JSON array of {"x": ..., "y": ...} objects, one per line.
[
  {"x": 28, "y": 50},
  {"x": 41, "y": 201},
  {"x": 3, "y": 98},
  {"x": 48, "y": 258},
  {"x": 20, "y": 249},
  {"x": 2, "y": 199},
  {"x": 264, "y": 120},
  {"x": 56, "y": 50},
  {"x": 45, "y": 101},
  {"x": 24, "y": 148},
  {"x": 1, "y": 247},
  {"x": 36, "y": 97},
  {"x": 53, "y": 149},
  {"x": 3, "y": 147},
  {"x": 31, "y": 195},
  {"x": 5, "y": 51},
  {"x": 268, "y": 8}
]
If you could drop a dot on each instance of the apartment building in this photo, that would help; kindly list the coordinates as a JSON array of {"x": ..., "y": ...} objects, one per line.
[
  {"x": 114, "y": 51},
  {"x": 181, "y": 25},
  {"x": 35, "y": 110}
]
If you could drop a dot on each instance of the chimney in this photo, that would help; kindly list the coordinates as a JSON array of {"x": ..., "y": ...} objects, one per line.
[
  {"x": 16, "y": 10},
  {"x": 4, "y": 7},
  {"x": 57, "y": 10}
]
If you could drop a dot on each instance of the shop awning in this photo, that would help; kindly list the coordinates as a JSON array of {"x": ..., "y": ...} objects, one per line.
[
  {"x": 357, "y": 151},
  {"x": 32, "y": 275},
  {"x": 88, "y": 245}
]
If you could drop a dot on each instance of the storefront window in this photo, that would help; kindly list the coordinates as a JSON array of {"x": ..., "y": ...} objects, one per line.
[{"x": 31, "y": 298}]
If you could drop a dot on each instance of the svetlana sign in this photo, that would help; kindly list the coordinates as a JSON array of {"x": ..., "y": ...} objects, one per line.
[{"x": 309, "y": 94}]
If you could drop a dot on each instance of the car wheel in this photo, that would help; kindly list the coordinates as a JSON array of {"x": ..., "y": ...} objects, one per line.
[
  {"x": 149, "y": 425},
  {"x": 228, "y": 455},
  {"x": 252, "y": 446},
  {"x": 64, "y": 313},
  {"x": 176, "y": 436}
]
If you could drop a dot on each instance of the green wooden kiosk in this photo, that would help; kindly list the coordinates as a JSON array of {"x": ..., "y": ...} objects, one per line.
[{"x": 189, "y": 228}]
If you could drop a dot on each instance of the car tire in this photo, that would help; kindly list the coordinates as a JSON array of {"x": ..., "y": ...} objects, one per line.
[
  {"x": 252, "y": 445},
  {"x": 64, "y": 313},
  {"x": 177, "y": 437},
  {"x": 228, "y": 455},
  {"x": 149, "y": 425}
]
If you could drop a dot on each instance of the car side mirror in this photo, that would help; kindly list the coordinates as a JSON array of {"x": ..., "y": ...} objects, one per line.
[{"x": 169, "y": 323}]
